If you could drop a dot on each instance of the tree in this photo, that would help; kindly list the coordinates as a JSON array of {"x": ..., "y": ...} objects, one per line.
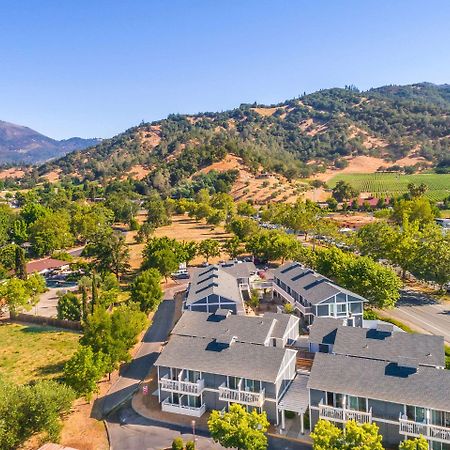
[
  {"x": 343, "y": 191},
  {"x": 209, "y": 248},
  {"x": 30, "y": 409},
  {"x": 144, "y": 232},
  {"x": 246, "y": 209},
  {"x": 419, "y": 443},
  {"x": 20, "y": 265},
  {"x": 50, "y": 232},
  {"x": 69, "y": 307},
  {"x": 332, "y": 203},
  {"x": 327, "y": 436},
  {"x": 238, "y": 428},
  {"x": 84, "y": 370},
  {"x": 189, "y": 250},
  {"x": 15, "y": 294},
  {"x": 165, "y": 261},
  {"x": 146, "y": 290},
  {"x": 418, "y": 209},
  {"x": 232, "y": 247},
  {"x": 157, "y": 212},
  {"x": 242, "y": 227},
  {"x": 110, "y": 252}
]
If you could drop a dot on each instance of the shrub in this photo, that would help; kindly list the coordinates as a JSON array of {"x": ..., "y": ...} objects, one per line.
[
  {"x": 190, "y": 445},
  {"x": 177, "y": 444}
]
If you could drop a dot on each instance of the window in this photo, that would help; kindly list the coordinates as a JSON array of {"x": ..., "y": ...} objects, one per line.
[
  {"x": 440, "y": 418},
  {"x": 356, "y": 403},
  {"x": 323, "y": 348},
  {"x": 193, "y": 376},
  {"x": 356, "y": 308},
  {"x": 415, "y": 413},
  {"x": 341, "y": 309},
  {"x": 323, "y": 310},
  {"x": 252, "y": 385},
  {"x": 233, "y": 382}
]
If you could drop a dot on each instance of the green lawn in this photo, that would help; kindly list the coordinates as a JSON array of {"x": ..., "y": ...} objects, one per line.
[
  {"x": 393, "y": 184},
  {"x": 30, "y": 352}
]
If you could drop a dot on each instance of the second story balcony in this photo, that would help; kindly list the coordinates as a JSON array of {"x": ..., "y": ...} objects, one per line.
[
  {"x": 305, "y": 310},
  {"x": 429, "y": 431},
  {"x": 182, "y": 387},
  {"x": 343, "y": 415},
  {"x": 241, "y": 396}
]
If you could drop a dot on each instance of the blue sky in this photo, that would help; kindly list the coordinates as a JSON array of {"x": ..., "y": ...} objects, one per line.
[{"x": 95, "y": 68}]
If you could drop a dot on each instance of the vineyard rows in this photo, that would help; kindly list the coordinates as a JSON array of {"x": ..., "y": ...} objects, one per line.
[{"x": 393, "y": 184}]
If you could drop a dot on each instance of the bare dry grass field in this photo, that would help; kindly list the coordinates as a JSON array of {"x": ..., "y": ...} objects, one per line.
[{"x": 182, "y": 228}]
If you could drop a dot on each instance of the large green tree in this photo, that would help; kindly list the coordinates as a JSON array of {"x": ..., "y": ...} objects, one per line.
[
  {"x": 84, "y": 370},
  {"x": 327, "y": 436},
  {"x": 238, "y": 428},
  {"x": 146, "y": 290}
]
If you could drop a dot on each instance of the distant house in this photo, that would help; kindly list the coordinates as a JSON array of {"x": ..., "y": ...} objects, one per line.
[
  {"x": 45, "y": 265},
  {"x": 313, "y": 295},
  {"x": 220, "y": 286}
]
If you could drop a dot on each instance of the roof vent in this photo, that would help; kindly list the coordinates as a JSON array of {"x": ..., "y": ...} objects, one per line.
[
  {"x": 222, "y": 312},
  {"x": 385, "y": 327}
]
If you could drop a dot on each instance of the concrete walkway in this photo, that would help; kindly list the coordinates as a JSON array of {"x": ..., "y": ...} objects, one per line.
[{"x": 148, "y": 352}]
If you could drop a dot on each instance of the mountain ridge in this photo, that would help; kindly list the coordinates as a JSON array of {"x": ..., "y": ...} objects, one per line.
[
  {"x": 21, "y": 144},
  {"x": 297, "y": 137}
]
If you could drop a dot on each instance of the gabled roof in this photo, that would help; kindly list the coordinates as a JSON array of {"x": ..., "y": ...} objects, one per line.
[
  {"x": 424, "y": 386},
  {"x": 247, "y": 329},
  {"x": 45, "y": 264},
  {"x": 323, "y": 330},
  {"x": 312, "y": 286},
  {"x": 389, "y": 346},
  {"x": 238, "y": 359},
  {"x": 239, "y": 269},
  {"x": 213, "y": 280}
]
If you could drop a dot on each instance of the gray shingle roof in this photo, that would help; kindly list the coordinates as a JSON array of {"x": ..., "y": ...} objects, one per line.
[
  {"x": 239, "y": 269},
  {"x": 426, "y": 387},
  {"x": 241, "y": 360},
  {"x": 371, "y": 343},
  {"x": 283, "y": 323},
  {"x": 249, "y": 329},
  {"x": 312, "y": 286},
  {"x": 210, "y": 280},
  {"x": 323, "y": 330}
]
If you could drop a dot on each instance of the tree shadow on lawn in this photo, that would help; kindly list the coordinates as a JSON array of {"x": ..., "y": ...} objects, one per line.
[{"x": 52, "y": 369}]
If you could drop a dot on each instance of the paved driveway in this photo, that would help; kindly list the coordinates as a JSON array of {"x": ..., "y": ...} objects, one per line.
[
  {"x": 138, "y": 433},
  {"x": 147, "y": 354},
  {"x": 48, "y": 300},
  {"x": 423, "y": 314}
]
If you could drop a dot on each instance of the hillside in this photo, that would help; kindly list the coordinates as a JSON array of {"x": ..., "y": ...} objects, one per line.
[
  {"x": 297, "y": 138},
  {"x": 20, "y": 144}
]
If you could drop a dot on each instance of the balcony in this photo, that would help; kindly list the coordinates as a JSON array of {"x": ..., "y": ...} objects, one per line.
[
  {"x": 305, "y": 310},
  {"x": 343, "y": 414},
  {"x": 176, "y": 408},
  {"x": 429, "y": 431},
  {"x": 181, "y": 387},
  {"x": 239, "y": 396}
]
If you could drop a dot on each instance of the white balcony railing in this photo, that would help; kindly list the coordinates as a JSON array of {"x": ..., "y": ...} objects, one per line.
[
  {"x": 176, "y": 408},
  {"x": 305, "y": 310},
  {"x": 429, "y": 431},
  {"x": 343, "y": 414},
  {"x": 182, "y": 387},
  {"x": 239, "y": 396}
]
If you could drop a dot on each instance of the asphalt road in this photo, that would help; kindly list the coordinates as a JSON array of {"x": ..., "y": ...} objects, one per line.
[
  {"x": 423, "y": 314},
  {"x": 147, "y": 354},
  {"x": 129, "y": 431}
]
